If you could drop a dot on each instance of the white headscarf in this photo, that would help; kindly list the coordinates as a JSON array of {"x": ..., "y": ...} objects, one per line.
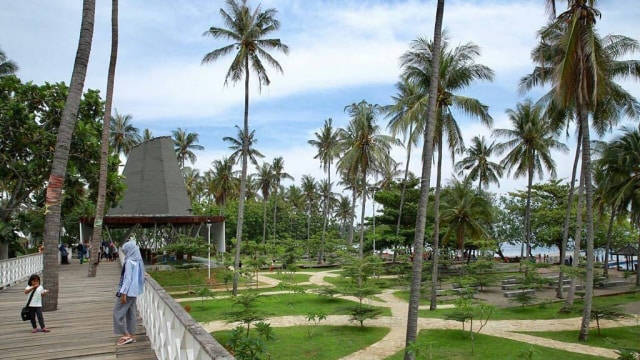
[{"x": 132, "y": 254}]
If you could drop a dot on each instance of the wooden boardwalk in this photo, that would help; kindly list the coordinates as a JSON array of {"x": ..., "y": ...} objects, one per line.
[{"x": 81, "y": 327}]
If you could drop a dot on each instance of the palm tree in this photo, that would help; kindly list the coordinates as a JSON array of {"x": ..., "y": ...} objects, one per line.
[
  {"x": 147, "y": 135},
  {"x": 52, "y": 223},
  {"x": 184, "y": 144},
  {"x": 124, "y": 135},
  {"x": 7, "y": 67},
  {"x": 310, "y": 194},
  {"x": 236, "y": 146},
  {"x": 277, "y": 166},
  {"x": 344, "y": 212},
  {"x": 457, "y": 70},
  {"x": 191, "y": 178},
  {"x": 421, "y": 216},
  {"x": 364, "y": 148},
  {"x": 465, "y": 212},
  {"x": 406, "y": 117},
  {"x": 224, "y": 181},
  {"x": 96, "y": 239},
  {"x": 327, "y": 144},
  {"x": 478, "y": 163},
  {"x": 328, "y": 202},
  {"x": 529, "y": 143},
  {"x": 619, "y": 162},
  {"x": 246, "y": 29},
  {"x": 264, "y": 180}
]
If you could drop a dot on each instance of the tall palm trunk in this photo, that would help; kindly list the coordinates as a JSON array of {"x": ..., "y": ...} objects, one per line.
[
  {"x": 96, "y": 239},
  {"x": 308, "y": 229},
  {"x": 577, "y": 243},
  {"x": 436, "y": 231},
  {"x": 404, "y": 187},
  {"x": 527, "y": 219},
  {"x": 364, "y": 202},
  {"x": 605, "y": 268},
  {"x": 586, "y": 166},
  {"x": 264, "y": 221},
  {"x": 52, "y": 220},
  {"x": 275, "y": 210},
  {"x": 421, "y": 218},
  {"x": 243, "y": 178},
  {"x": 325, "y": 216},
  {"x": 567, "y": 216},
  {"x": 353, "y": 206}
]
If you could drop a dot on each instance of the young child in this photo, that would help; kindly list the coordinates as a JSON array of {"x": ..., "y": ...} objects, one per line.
[{"x": 35, "y": 306}]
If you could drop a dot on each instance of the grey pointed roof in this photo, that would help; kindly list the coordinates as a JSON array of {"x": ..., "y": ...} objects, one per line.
[{"x": 154, "y": 182}]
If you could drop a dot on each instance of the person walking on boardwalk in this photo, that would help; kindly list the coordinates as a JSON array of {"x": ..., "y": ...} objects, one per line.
[
  {"x": 35, "y": 304},
  {"x": 131, "y": 286}
]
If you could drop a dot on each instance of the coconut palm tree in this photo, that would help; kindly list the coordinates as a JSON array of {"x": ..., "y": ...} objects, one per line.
[
  {"x": 478, "y": 163},
  {"x": 457, "y": 70},
  {"x": 364, "y": 148},
  {"x": 147, "y": 135},
  {"x": 406, "y": 118},
  {"x": 124, "y": 136},
  {"x": 620, "y": 162},
  {"x": 7, "y": 67},
  {"x": 529, "y": 144},
  {"x": 52, "y": 221},
  {"x": 558, "y": 56},
  {"x": 191, "y": 178},
  {"x": 264, "y": 181},
  {"x": 464, "y": 212},
  {"x": 96, "y": 239},
  {"x": 277, "y": 166},
  {"x": 328, "y": 201},
  {"x": 344, "y": 212},
  {"x": 184, "y": 144},
  {"x": 327, "y": 144},
  {"x": 236, "y": 146},
  {"x": 247, "y": 30},
  {"x": 225, "y": 182},
  {"x": 421, "y": 216},
  {"x": 310, "y": 194}
]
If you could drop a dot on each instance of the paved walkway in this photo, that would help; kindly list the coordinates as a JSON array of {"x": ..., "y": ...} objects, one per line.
[{"x": 394, "y": 341}]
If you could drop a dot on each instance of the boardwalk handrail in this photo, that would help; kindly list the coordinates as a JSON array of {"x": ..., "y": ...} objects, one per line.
[
  {"x": 19, "y": 268},
  {"x": 173, "y": 333}
]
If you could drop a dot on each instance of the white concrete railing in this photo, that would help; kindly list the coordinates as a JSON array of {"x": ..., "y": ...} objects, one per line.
[
  {"x": 20, "y": 268},
  {"x": 172, "y": 332}
]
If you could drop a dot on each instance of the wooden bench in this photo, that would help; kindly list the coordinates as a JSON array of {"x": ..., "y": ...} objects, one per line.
[
  {"x": 509, "y": 281},
  {"x": 611, "y": 283},
  {"x": 514, "y": 293}
]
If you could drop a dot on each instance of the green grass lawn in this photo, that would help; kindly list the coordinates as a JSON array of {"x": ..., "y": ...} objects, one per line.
[
  {"x": 543, "y": 311},
  {"x": 295, "y": 277},
  {"x": 325, "y": 343},
  {"x": 273, "y": 306},
  {"x": 610, "y": 338},
  {"x": 456, "y": 345}
]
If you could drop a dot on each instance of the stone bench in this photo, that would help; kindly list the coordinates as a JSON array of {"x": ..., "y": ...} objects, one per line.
[
  {"x": 611, "y": 283},
  {"x": 515, "y": 293},
  {"x": 509, "y": 281},
  {"x": 510, "y": 286}
]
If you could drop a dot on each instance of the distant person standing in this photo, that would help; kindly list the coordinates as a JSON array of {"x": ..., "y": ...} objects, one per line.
[
  {"x": 81, "y": 250},
  {"x": 64, "y": 254},
  {"x": 131, "y": 286}
]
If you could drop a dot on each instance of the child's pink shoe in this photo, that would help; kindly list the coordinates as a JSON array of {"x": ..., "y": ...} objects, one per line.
[
  {"x": 45, "y": 330},
  {"x": 34, "y": 330}
]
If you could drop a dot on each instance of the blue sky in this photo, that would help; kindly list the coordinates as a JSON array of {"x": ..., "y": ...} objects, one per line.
[{"x": 340, "y": 52}]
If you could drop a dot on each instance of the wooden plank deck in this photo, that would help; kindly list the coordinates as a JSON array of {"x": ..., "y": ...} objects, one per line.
[{"x": 81, "y": 327}]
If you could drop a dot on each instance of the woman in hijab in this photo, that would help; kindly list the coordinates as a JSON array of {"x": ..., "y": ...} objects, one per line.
[{"x": 131, "y": 285}]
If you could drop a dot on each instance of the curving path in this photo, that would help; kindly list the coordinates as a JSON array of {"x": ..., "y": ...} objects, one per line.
[{"x": 394, "y": 341}]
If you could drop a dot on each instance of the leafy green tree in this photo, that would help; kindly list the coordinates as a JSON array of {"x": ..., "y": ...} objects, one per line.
[
  {"x": 277, "y": 166},
  {"x": 224, "y": 182},
  {"x": 247, "y": 30}
]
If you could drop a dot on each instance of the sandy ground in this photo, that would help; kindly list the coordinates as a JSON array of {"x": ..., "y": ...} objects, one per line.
[{"x": 394, "y": 341}]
